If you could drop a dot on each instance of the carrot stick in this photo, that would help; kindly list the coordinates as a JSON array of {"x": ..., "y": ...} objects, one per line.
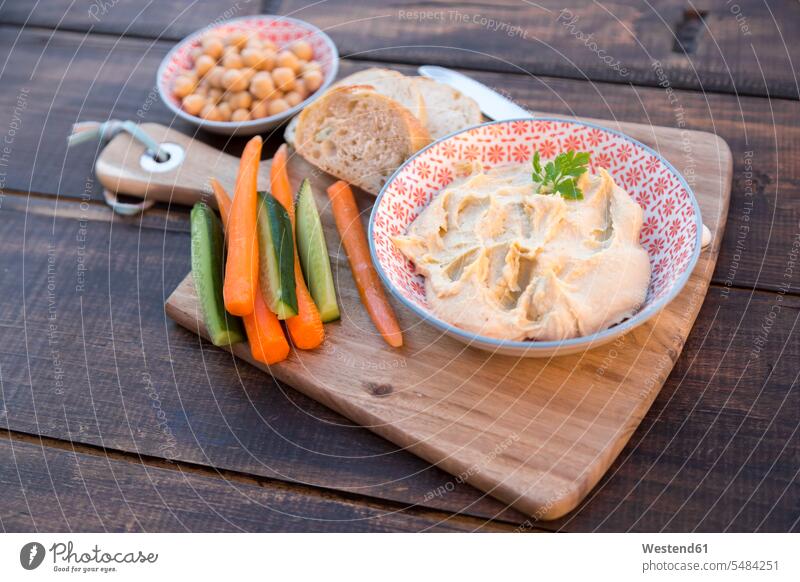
[
  {"x": 223, "y": 201},
  {"x": 241, "y": 269},
  {"x": 264, "y": 332},
  {"x": 369, "y": 286},
  {"x": 305, "y": 328},
  {"x": 279, "y": 180}
]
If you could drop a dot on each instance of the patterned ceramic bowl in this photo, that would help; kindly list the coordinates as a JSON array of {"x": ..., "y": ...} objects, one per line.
[
  {"x": 281, "y": 30},
  {"x": 671, "y": 230}
]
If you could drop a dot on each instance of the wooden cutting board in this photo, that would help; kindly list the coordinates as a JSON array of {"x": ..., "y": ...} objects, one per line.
[{"x": 537, "y": 434}]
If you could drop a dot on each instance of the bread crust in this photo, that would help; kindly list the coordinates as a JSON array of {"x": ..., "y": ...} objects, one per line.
[
  {"x": 413, "y": 135},
  {"x": 415, "y": 101},
  {"x": 464, "y": 110}
]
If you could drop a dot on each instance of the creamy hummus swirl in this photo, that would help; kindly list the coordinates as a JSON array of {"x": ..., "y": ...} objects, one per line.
[{"x": 505, "y": 262}]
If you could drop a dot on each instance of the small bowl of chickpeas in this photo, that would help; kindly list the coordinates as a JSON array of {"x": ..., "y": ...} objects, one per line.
[{"x": 247, "y": 75}]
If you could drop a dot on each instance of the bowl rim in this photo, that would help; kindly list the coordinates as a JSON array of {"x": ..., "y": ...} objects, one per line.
[
  {"x": 253, "y": 123},
  {"x": 534, "y": 345}
]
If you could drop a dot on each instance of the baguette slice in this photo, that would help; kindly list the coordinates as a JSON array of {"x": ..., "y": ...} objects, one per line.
[
  {"x": 402, "y": 89},
  {"x": 448, "y": 109},
  {"x": 358, "y": 135}
]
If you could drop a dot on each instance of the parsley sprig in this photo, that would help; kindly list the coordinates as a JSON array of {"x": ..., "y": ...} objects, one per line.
[{"x": 561, "y": 174}]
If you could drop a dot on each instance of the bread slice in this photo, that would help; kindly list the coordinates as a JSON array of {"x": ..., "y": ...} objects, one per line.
[
  {"x": 448, "y": 110},
  {"x": 402, "y": 89},
  {"x": 359, "y": 135}
]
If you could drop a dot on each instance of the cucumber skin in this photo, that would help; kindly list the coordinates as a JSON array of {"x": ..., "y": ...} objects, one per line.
[
  {"x": 276, "y": 263},
  {"x": 313, "y": 253},
  {"x": 208, "y": 248}
]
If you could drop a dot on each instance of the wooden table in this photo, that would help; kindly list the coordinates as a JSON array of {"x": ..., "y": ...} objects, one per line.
[{"x": 113, "y": 418}]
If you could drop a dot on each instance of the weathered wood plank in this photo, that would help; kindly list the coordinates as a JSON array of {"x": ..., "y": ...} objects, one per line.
[
  {"x": 149, "y": 19},
  {"x": 46, "y": 489},
  {"x": 615, "y": 41},
  {"x": 764, "y": 136},
  {"x": 54, "y": 80},
  {"x": 113, "y": 372}
]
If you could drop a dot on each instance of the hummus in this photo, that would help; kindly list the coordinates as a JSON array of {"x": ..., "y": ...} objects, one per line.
[{"x": 506, "y": 262}]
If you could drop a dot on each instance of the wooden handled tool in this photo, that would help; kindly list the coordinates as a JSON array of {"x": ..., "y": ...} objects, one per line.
[{"x": 125, "y": 167}]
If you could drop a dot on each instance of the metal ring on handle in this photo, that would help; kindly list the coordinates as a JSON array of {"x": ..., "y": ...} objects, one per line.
[
  {"x": 174, "y": 157},
  {"x": 125, "y": 208}
]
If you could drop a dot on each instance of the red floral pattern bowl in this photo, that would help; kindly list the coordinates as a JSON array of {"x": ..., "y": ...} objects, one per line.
[
  {"x": 281, "y": 30},
  {"x": 670, "y": 233}
]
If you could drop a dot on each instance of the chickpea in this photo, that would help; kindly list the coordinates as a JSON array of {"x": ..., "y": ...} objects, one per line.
[
  {"x": 249, "y": 74},
  {"x": 204, "y": 64},
  {"x": 196, "y": 52},
  {"x": 254, "y": 43},
  {"x": 258, "y": 59},
  {"x": 240, "y": 115},
  {"x": 202, "y": 88},
  {"x": 303, "y": 50},
  {"x": 214, "y": 95},
  {"x": 237, "y": 38},
  {"x": 277, "y": 106},
  {"x": 262, "y": 85},
  {"x": 234, "y": 80},
  {"x": 268, "y": 58},
  {"x": 193, "y": 104},
  {"x": 232, "y": 61},
  {"x": 293, "y": 98},
  {"x": 300, "y": 88},
  {"x": 310, "y": 66},
  {"x": 214, "y": 76},
  {"x": 268, "y": 44},
  {"x": 240, "y": 100},
  {"x": 283, "y": 78},
  {"x": 313, "y": 80},
  {"x": 225, "y": 111},
  {"x": 210, "y": 113},
  {"x": 289, "y": 60},
  {"x": 259, "y": 109},
  {"x": 212, "y": 46},
  {"x": 183, "y": 86}
]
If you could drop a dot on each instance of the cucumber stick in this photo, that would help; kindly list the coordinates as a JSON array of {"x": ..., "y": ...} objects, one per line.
[
  {"x": 314, "y": 254},
  {"x": 276, "y": 256},
  {"x": 208, "y": 263}
]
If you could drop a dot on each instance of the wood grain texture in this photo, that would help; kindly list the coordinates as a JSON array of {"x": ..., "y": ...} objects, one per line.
[
  {"x": 719, "y": 438},
  {"x": 728, "y": 51},
  {"x": 113, "y": 79},
  {"x": 46, "y": 489},
  {"x": 538, "y": 434},
  {"x": 614, "y": 41},
  {"x": 149, "y": 19}
]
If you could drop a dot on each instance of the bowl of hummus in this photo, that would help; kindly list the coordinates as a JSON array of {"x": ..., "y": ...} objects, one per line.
[{"x": 535, "y": 237}]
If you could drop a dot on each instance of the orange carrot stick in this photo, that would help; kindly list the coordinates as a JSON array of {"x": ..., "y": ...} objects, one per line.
[
  {"x": 305, "y": 328},
  {"x": 264, "y": 332},
  {"x": 223, "y": 201},
  {"x": 369, "y": 286},
  {"x": 241, "y": 269}
]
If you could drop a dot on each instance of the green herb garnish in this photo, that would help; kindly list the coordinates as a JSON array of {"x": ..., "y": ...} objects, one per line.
[{"x": 561, "y": 174}]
